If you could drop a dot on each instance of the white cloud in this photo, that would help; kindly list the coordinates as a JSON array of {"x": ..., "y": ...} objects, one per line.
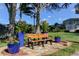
[
  {"x": 61, "y": 19},
  {"x": 44, "y": 19},
  {"x": 73, "y": 10},
  {"x": 49, "y": 16},
  {"x": 17, "y": 20}
]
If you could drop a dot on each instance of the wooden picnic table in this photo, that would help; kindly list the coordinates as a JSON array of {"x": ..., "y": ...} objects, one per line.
[{"x": 38, "y": 38}]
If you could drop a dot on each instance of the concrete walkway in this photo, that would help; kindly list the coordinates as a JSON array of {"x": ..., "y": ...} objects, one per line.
[
  {"x": 76, "y": 54},
  {"x": 39, "y": 50}
]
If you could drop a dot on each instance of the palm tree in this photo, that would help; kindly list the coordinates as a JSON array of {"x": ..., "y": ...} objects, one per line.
[
  {"x": 11, "y": 7},
  {"x": 77, "y": 8},
  {"x": 20, "y": 11},
  {"x": 33, "y": 10}
]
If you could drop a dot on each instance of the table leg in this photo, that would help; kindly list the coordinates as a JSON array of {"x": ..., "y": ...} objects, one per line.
[{"x": 42, "y": 43}]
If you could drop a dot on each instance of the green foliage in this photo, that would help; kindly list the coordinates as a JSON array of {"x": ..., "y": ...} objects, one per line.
[
  {"x": 17, "y": 29},
  {"x": 3, "y": 44},
  {"x": 50, "y": 28},
  {"x": 3, "y": 29},
  {"x": 56, "y": 28},
  {"x": 45, "y": 26},
  {"x": 30, "y": 28},
  {"x": 21, "y": 26}
]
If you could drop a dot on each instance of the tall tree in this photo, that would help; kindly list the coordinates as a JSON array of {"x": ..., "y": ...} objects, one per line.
[
  {"x": 77, "y": 8},
  {"x": 11, "y": 7},
  {"x": 34, "y": 9},
  {"x": 20, "y": 11}
]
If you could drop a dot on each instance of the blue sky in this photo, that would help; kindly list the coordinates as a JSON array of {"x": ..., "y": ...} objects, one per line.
[{"x": 52, "y": 18}]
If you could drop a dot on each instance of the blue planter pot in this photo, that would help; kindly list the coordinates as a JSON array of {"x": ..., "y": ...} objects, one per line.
[
  {"x": 13, "y": 48},
  {"x": 57, "y": 39},
  {"x": 21, "y": 38}
]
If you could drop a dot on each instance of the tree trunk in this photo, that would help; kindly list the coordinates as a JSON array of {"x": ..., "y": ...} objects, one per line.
[
  {"x": 38, "y": 19},
  {"x": 12, "y": 15},
  {"x": 20, "y": 12},
  {"x": 34, "y": 26}
]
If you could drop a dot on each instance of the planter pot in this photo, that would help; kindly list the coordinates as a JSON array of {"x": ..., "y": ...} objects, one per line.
[
  {"x": 13, "y": 48},
  {"x": 57, "y": 39},
  {"x": 21, "y": 38}
]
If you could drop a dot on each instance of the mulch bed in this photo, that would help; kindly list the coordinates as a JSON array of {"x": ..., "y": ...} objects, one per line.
[{"x": 20, "y": 53}]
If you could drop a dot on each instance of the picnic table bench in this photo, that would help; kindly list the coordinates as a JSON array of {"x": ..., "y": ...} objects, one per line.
[{"x": 38, "y": 38}]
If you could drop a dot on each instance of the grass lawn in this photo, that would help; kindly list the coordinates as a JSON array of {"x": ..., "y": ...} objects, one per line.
[
  {"x": 73, "y": 37},
  {"x": 3, "y": 44},
  {"x": 67, "y": 51},
  {"x": 66, "y": 36}
]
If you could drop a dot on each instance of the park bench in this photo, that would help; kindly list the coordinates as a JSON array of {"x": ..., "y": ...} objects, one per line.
[{"x": 38, "y": 38}]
